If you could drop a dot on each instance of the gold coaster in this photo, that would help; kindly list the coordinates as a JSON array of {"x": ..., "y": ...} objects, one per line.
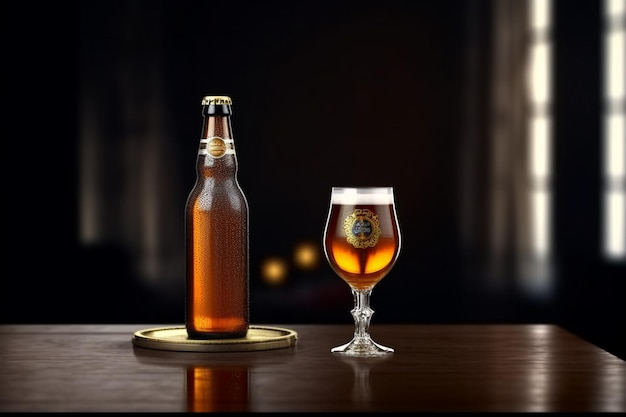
[{"x": 175, "y": 338}]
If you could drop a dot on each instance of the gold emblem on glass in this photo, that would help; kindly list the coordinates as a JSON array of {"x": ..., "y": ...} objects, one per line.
[{"x": 362, "y": 228}]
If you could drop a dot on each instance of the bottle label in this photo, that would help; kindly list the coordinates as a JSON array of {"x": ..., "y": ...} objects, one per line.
[
  {"x": 362, "y": 228},
  {"x": 216, "y": 147}
]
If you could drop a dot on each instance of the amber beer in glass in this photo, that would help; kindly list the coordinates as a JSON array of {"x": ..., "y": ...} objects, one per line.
[
  {"x": 216, "y": 233},
  {"x": 361, "y": 243}
]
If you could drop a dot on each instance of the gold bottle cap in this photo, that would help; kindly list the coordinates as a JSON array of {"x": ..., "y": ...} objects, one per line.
[{"x": 216, "y": 100}]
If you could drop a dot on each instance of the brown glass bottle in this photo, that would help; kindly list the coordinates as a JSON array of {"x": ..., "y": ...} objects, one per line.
[{"x": 216, "y": 233}]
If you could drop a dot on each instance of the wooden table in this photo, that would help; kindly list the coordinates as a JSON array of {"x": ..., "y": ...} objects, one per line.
[{"x": 435, "y": 368}]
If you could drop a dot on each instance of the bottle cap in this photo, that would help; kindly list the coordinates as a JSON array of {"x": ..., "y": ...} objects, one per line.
[
  {"x": 208, "y": 100},
  {"x": 216, "y": 105}
]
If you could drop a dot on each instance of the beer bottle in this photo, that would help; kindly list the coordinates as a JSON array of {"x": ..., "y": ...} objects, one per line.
[{"x": 216, "y": 233}]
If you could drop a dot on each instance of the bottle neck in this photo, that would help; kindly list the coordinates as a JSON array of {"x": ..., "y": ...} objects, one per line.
[
  {"x": 216, "y": 126},
  {"x": 216, "y": 154}
]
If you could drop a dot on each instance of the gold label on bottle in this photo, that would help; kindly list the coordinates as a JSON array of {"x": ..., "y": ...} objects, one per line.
[
  {"x": 362, "y": 228},
  {"x": 216, "y": 147}
]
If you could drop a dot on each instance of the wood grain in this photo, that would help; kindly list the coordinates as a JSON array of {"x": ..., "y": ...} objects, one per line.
[{"x": 537, "y": 367}]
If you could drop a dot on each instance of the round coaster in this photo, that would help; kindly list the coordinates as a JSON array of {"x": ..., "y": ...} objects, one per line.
[{"x": 175, "y": 338}]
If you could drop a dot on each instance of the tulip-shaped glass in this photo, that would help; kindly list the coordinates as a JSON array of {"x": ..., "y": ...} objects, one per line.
[{"x": 362, "y": 243}]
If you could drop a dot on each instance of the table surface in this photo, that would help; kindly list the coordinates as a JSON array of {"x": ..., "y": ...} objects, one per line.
[{"x": 449, "y": 367}]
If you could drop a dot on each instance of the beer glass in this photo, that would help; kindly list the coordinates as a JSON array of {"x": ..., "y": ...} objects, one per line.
[{"x": 361, "y": 244}]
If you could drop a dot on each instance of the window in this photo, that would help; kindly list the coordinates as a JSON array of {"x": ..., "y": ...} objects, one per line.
[
  {"x": 614, "y": 131},
  {"x": 539, "y": 126}
]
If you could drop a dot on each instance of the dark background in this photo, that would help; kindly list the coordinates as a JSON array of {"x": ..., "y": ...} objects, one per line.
[{"x": 325, "y": 93}]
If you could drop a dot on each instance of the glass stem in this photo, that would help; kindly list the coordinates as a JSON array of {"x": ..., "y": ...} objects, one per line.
[{"x": 362, "y": 313}]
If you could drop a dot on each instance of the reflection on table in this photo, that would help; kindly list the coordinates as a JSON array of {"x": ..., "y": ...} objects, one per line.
[{"x": 517, "y": 368}]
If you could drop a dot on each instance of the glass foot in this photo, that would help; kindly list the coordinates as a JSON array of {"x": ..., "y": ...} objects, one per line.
[{"x": 362, "y": 346}]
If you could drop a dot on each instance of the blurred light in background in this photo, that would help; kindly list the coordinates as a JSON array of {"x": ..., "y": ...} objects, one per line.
[
  {"x": 614, "y": 218},
  {"x": 520, "y": 171},
  {"x": 536, "y": 269},
  {"x": 539, "y": 127},
  {"x": 274, "y": 271},
  {"x": 306, "y": 255}
]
